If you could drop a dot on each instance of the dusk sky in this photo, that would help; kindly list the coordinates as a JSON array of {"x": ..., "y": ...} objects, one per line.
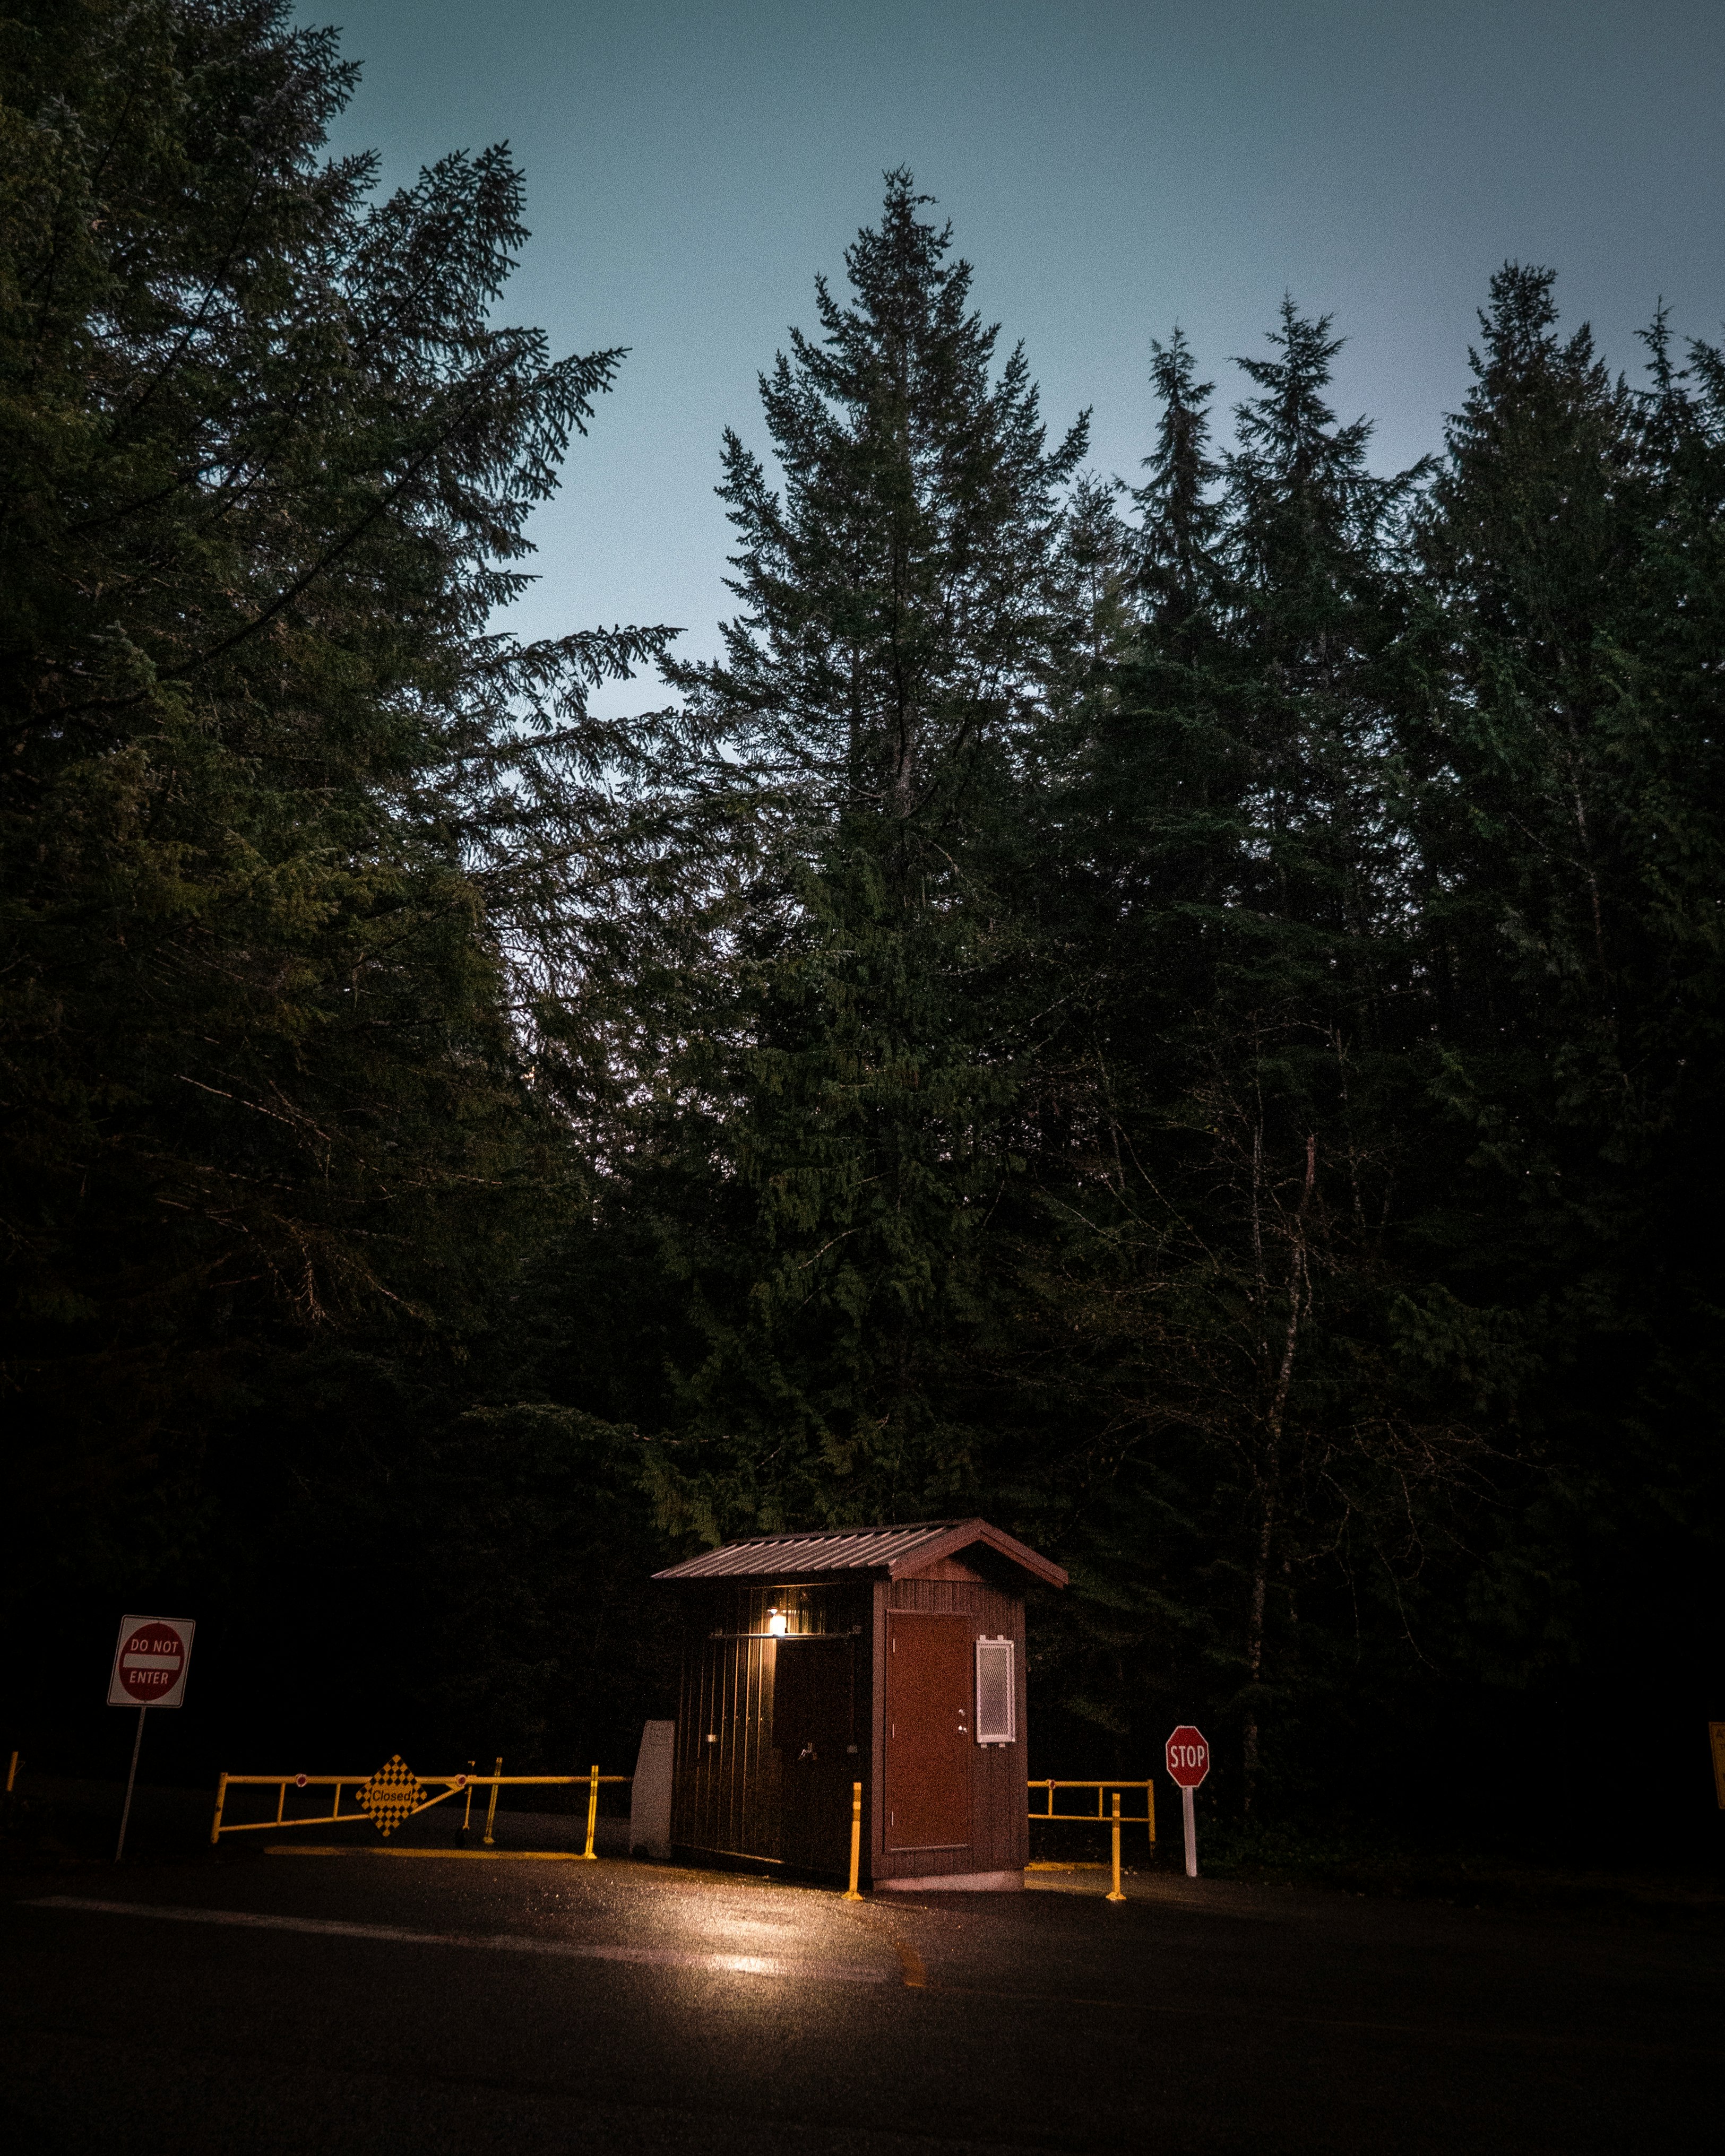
[{"x": 1109, "y": 169}]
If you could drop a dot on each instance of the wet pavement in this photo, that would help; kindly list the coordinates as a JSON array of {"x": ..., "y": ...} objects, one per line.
[{"x": 365, "y": 2000}]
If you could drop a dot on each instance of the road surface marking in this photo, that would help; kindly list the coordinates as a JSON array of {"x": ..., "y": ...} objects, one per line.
[
  {"x": 497, "y": 1942},
  {"x": 471, "y": 1855}
]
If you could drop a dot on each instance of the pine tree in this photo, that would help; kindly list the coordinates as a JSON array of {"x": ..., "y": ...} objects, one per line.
[
  {"x": 1232, "y": 873},
  {"x": 1180, "y": 517},
  {"x": 876, "y": 701},
  {"x": 1570, "y": 842},
  {"x": 282, "y": 818}
]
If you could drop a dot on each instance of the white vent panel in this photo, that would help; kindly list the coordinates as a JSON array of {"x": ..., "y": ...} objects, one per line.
[{"x": 996, "y": 1693}]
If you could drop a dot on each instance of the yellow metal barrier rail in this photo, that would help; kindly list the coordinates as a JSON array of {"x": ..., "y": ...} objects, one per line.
[
  {"x": 1113, "y": 1819},
  {"x": 852, "y": 1892},
  {"x": 395, "y": 1794}
]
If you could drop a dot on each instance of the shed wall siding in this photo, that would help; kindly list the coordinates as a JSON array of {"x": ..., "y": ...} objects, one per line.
[{"x": 728, "y": 1795}]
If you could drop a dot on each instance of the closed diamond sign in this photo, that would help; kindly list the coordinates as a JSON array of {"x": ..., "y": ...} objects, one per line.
[{"x": 391, "y": 1794}]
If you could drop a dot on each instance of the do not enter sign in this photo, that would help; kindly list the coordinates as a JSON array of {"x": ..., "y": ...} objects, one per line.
[
  {"x": 1188, "y": 1757},
  {"x": 151, "y": 1662}
]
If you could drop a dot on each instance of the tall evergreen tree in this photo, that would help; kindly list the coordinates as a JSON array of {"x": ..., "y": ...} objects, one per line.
[
  {"x": 1569, "y": 838},
  {"x": 1230, "y": 868},
  {"x": 279, "y": 811},
  {"x": 1180, "y": 518},
  {"x": 851, "y": 1100}
]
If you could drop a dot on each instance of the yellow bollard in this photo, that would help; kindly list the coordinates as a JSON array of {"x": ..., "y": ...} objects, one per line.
[
  {"x": 592, "y": 1810},
  {"x": 1116, "y": 1895},
  {"x": 215, "y": 1832},
  {"x": 851, "y": 1893},
  {"x": 10, "y": 1773},
  {"x": 491, "y": 1814},
  {"x": 467, "y": 1815}
]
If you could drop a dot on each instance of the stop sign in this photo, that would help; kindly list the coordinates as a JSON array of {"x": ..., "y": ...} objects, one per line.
[
  {"x": 1188, "y": 1757},
  {"x": 150, "y": 1661}
]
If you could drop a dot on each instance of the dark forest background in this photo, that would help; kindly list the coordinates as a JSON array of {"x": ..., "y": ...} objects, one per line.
[{"x": 1184, "y": 1018}]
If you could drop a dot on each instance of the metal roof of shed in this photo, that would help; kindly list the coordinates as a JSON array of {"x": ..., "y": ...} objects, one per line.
[{"x": 897, "y": 1551}]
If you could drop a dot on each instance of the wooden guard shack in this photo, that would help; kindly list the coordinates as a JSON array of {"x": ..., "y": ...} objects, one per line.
[{"x": 892, "y": 1656}]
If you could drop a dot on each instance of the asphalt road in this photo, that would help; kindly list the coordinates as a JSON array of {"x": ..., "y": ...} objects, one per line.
[{"x": 373, "y": 2003}]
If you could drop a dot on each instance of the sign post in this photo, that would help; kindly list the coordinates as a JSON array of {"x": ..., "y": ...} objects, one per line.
[
  {"x": 150, "y": 1659},
  {"x": 1188, "y": 1761}
]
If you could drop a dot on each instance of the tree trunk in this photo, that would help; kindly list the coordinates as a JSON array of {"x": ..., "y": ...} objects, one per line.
[{"x": 1299, "y": 1297}]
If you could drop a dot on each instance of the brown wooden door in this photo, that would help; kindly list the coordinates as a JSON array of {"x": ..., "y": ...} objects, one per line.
[
  {"x": 811, "y": 1735},
  {"x": 928, "y": 1725}
]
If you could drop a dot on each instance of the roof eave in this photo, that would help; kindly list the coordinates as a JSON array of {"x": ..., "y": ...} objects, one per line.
[
  {"x": 934, "y": 1544},
  {"x": 966, "y": 1534}
]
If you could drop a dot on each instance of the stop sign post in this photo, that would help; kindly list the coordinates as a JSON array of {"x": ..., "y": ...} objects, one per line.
[
  {"x": 1188, "y": 1761},
  {"x": 151, "y": 1658}
]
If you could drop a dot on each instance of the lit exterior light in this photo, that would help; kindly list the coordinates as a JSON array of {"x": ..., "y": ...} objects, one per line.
[{"x": 775, "y": 1623}]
